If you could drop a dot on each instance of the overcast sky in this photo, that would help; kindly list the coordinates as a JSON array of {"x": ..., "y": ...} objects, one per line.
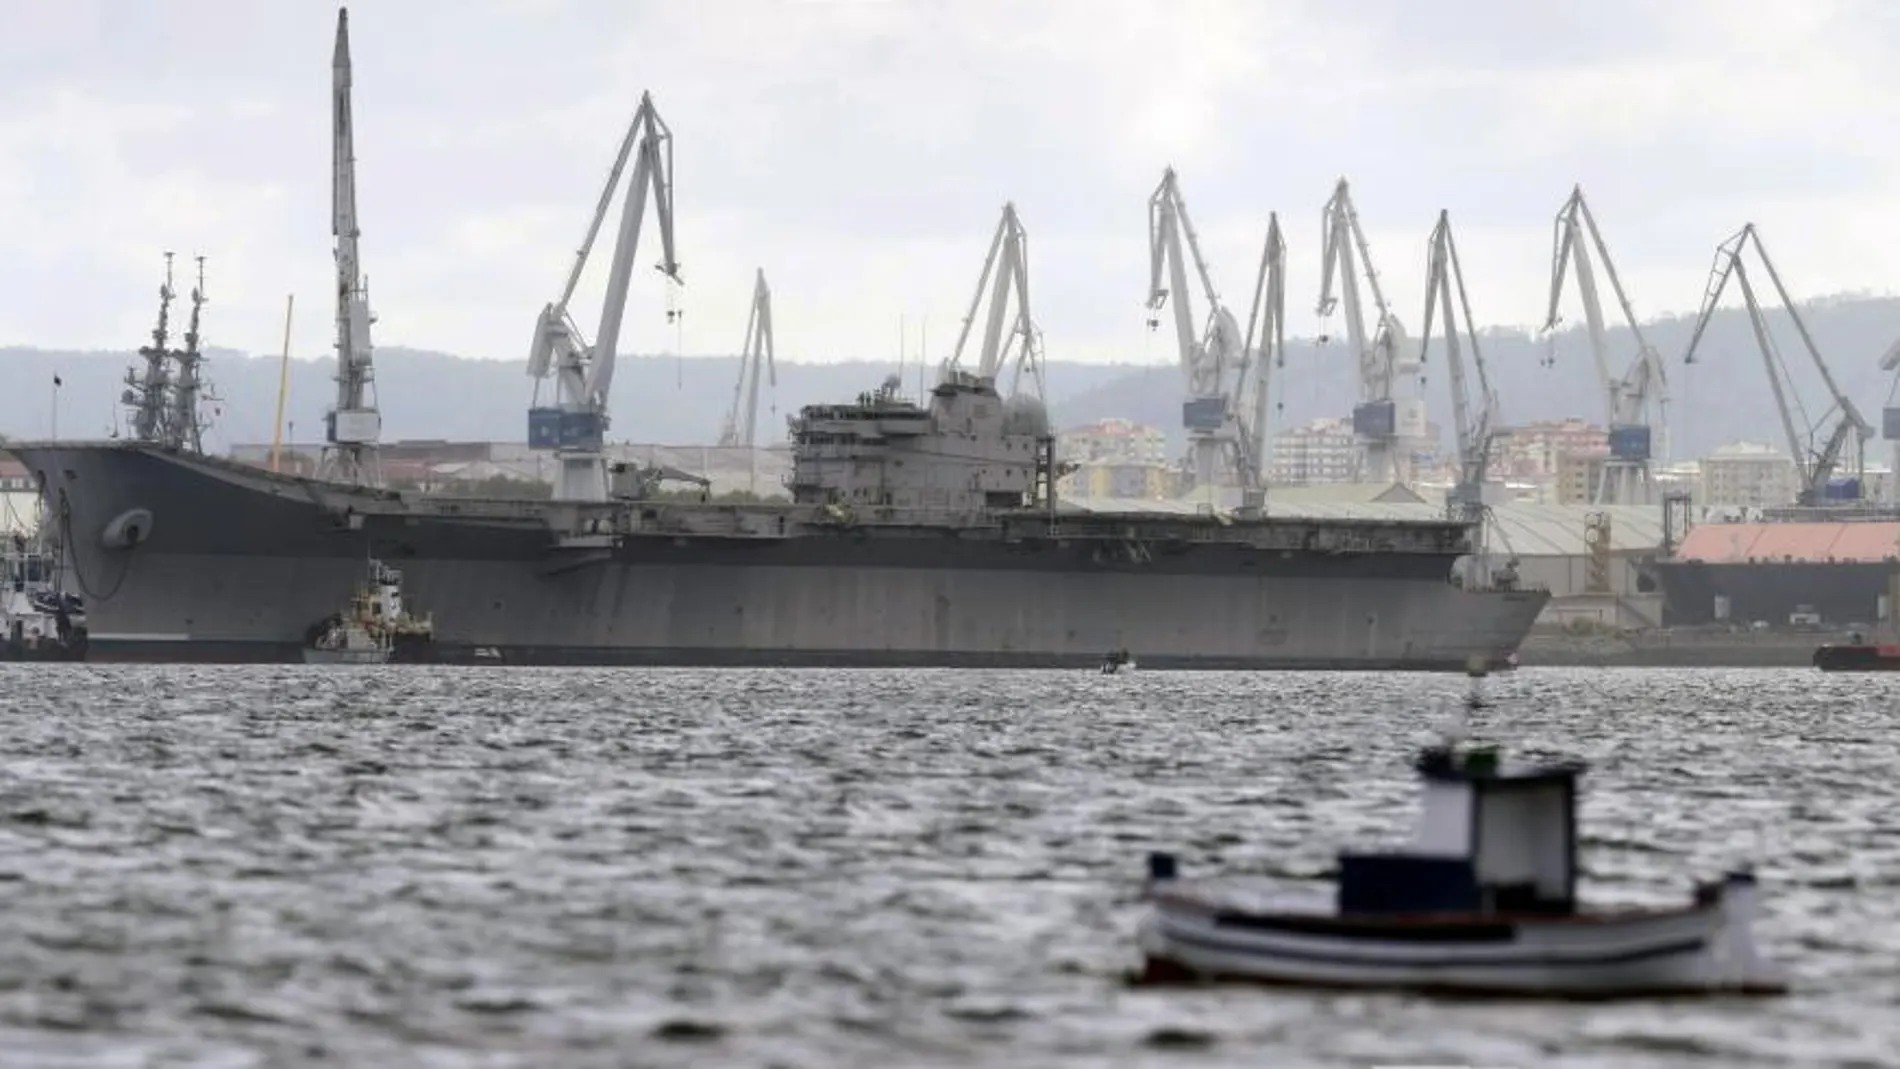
[{"x": 860, "y": 152}]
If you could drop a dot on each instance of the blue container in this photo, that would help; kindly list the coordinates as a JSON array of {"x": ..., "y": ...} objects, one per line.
[
  {"x": 544, "y": 428},
  {"x": 1629, "y": 442},
  {"x": 1378, "y": 419},
  {"x": 1203, "y": 414}
]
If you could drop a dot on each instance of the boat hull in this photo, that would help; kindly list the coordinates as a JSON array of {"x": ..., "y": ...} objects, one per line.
[
  {"x": 369, "y": 656},
  {"x": 505, "y": 587},
  {"x": 1649, "y": 955},
  {"x": 1857, "y": 658},
  {"x": 52, "y": 650}
]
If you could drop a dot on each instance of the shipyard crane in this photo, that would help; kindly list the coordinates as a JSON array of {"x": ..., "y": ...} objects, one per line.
[
  {"x": 1381, "y": 420},
  {"x": 575, "y": 427},
  {"x": 1217, "y": 435},
  {"x": 1008, "y": 340},
  {"x": 354, "y": 427},
  {"x": 1475, "y": 431},
  {"x": 1263, "y": 351},
  {"x": 1626, "y": 478},
  {"x": 1890, "y": 416},
  {"x": 1815, "y": 464},
  {"x": 756, "y": 359}
]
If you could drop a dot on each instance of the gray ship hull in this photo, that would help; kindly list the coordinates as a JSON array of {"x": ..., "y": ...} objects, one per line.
[{"x": 186, "y": 558}]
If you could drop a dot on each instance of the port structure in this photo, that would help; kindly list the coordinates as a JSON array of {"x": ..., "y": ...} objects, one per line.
[
  {"x": 1222, "y": 440},
  {"x": 1637, "y": 401},
  {"x": 1263, "y": 352},
  {"x": 757, "y": 358},
  {"x": 1011, "y": 339},
  {"x": 1817, "y": 447},
  {"x": 1383, "y": 421},
  {"x": 1476, "y": 420},
  {"x": 354, "y": 427},
  {"x": 574, "y": 427},
  {"x": 1890, "y": 415}
]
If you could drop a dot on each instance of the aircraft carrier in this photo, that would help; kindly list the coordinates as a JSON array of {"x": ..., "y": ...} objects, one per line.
[
  {"x": 889, "y": 554},
  {"x": 919, "y": 532}
]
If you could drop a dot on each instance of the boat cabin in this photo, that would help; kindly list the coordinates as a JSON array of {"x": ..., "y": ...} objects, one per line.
[{"x": 1489, "y": 840}]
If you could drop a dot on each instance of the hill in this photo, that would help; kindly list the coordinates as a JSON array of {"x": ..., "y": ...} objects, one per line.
[{"x": 1724, "y": 397}]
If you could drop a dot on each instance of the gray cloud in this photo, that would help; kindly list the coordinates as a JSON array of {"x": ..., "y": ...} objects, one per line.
[{"x": 859, "y": 151}]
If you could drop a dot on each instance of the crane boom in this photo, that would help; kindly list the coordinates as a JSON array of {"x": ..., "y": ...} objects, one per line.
[
  {"x": 575, "y": 427},
  {"x": 1815, "y": 465},
  {"x": 1628, "y": 399}
]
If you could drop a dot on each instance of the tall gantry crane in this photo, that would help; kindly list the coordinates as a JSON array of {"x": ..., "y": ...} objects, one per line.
[
  {"x": 1476, "y": 432},
  {"x": 575, "y": 427},
  {"x": 1008, "y": 340},
  {"x": 1383, "y": 421},
  {"x": 1218, "y": 438},
  {"x": 1815, "y": 463},
  {"x": 757, "y": 358},
  {"x": 1629, "y": 400},
  {"x": 354, "y": 427},
  {"x": 1263, "y": 351},
  {"x": 1890, "y": 417}
]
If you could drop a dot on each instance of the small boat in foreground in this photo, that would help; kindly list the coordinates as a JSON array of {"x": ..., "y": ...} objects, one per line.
[
  {"x": 1483, "y": 903},
  {"x": 376, "y": 627}
]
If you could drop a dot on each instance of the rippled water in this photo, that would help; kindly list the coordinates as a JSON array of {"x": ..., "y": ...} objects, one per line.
[{"x": 493, "y": 867}]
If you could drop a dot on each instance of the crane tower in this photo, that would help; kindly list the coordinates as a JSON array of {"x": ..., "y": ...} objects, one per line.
[
  {"x": 354, "y": 426},
  {"x": 756, "y": 359},
  {"x": 574, "y": 428},
  {"x": 1384, "y": 422},
  {"x": 1008, "y": 340},
  {"x": 1642, "y": 390},
  {"x": 1816, "y": 455},
  {"x": 1220, "y": 442}
]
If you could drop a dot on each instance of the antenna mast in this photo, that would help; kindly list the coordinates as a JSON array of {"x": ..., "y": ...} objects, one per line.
[
  {"x": 185, "y": 430},
  {"x": 144, "y": 396}
]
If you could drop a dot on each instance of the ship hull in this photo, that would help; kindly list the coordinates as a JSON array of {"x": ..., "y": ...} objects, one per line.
[{"x": 235, "y": 564}]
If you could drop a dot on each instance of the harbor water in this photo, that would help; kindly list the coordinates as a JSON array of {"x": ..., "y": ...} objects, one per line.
[{"x": 506, "y": 867}]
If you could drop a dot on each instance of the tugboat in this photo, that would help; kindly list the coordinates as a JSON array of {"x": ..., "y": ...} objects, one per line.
[
  {"x": 376, "y": 628},
  {"x": 1483, "y": 903},
  {"x": 1857, "y": 655},
  {"x": 38, "y": 620}
]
